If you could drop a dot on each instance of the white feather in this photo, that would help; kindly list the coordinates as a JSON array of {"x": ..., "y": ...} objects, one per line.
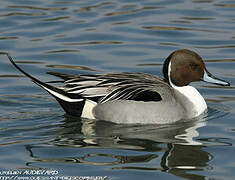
[
  {"x": 95, "y": 91},
  {"x": 88, "y": 108},
  {"x": 83, "y": 83},
  {"x": 60, "y": 96}
]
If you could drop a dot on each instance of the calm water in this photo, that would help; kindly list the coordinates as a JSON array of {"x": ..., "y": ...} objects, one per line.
[{"x": 111, "y": 36}]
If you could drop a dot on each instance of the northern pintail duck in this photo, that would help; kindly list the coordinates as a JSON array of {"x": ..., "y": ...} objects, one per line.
[{"x": 135, "y": 97}]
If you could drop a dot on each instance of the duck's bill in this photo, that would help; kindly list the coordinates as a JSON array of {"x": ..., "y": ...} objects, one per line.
[{"x": 208, "y": 77}]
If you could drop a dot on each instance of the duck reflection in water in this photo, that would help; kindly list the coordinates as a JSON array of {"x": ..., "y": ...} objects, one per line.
[{"x": 170, "y": 148}]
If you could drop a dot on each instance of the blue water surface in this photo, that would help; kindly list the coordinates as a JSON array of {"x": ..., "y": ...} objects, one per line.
[{"x": 92, "y": 36}]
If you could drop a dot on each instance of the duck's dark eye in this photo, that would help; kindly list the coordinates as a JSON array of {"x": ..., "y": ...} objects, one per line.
[{"x": 193, "y": 66}]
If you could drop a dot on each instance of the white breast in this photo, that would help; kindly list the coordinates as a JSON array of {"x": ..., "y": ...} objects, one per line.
[{"x": 191, "y": 100}]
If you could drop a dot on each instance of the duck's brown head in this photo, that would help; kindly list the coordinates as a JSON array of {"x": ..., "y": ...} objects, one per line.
[{"x": 184, "y": 66}]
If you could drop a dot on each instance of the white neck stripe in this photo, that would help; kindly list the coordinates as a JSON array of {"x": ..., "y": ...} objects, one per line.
[{"x": 169, "y": 76}]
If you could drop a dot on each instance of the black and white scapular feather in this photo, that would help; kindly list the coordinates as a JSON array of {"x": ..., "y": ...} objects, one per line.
[{"x": 81, "y": 93}]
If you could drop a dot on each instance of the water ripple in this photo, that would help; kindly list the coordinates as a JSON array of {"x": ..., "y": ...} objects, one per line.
[
  {"x": 70, "y": 67},
  {"x": 38, "y": 8},
  {"x": 226, "y": 5},
  {"x": 55, "y": 18},
  {"x": 23, "y": 14},
  {"x": 89, "y": 8},
  {"x": 163, "y": 28}
]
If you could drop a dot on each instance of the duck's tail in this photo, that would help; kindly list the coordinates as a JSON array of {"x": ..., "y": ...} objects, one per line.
[{"x": 71, "y": 103}]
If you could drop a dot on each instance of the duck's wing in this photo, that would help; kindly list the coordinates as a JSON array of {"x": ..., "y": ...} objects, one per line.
[
  {"x": 138, "y": 87},
  {"x": 117, "y": 86},
  {"x": 85, "y": 85}
]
